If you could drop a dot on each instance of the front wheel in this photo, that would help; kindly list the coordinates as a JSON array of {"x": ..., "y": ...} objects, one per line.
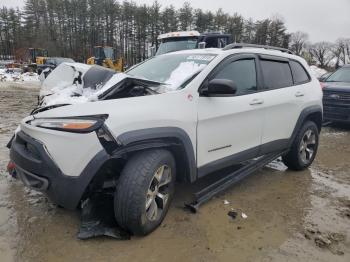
[
  {"x": 144, "y": 191},
  {"x": 304, "y": 148}
]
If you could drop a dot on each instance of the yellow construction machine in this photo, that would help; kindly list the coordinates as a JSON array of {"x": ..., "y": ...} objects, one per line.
[
  {"x": 30, "y": 58},
  {"x": 106, "y": 56},
  {"x": 38, "y": 55}
]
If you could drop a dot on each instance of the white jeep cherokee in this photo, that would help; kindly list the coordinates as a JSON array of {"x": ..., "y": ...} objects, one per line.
[{"x": 224, "y": 107}]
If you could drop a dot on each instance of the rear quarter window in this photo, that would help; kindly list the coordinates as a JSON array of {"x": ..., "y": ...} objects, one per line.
[
  {"x": 300, "y": 75},
  {"x": 276, "y": 74}
]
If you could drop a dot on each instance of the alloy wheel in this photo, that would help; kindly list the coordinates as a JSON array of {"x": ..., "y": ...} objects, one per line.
[
  {"x": 158, "y": 193},
  {"x": 307, "y": 146}
]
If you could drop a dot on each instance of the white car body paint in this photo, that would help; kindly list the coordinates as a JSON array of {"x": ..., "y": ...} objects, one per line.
[{"x": 209, "y": 122}]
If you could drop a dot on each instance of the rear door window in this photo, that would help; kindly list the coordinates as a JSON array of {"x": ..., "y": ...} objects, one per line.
[
  {"x": 276, "y": 74},
  {"x": 299, "y": 74}
]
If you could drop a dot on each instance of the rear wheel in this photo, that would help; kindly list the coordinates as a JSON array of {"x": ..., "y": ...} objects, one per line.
[
  {"x": 145, "y": 190},
  {"x": 304, "y": 148}
]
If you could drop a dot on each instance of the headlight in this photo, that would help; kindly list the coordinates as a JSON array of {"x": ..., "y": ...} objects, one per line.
[{"x": 76, "y": 125}]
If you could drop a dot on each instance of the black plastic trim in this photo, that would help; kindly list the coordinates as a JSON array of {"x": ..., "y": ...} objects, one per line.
[
  {"x": 274, "y": 58},
  {"x": 63, "y": 190},
  {"x": 303, "y": 116},
  {"x": 238, "y": 158},
  {"x": 274, "y": 146},
  {"x": 231, "y": 160},
  {"x": 166, "y": 134},
  {"x": 245, "y": 45}
]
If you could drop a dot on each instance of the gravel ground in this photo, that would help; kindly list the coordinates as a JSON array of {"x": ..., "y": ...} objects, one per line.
[{"x": 291, "y": 216}]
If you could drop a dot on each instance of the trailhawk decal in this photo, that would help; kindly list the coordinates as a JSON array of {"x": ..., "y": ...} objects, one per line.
[{"x": 201, "y": 57}]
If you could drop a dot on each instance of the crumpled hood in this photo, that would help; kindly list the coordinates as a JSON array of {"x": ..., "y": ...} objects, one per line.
[{"x": 75, "y": 83}]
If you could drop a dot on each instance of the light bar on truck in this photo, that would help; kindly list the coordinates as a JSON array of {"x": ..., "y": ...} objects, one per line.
[{"x": 179, "y": 34}]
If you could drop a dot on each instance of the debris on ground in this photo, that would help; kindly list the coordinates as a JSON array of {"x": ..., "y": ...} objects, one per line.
[
  {"x": 11, "y": 169},
  {"x": 277, "y": 165},
  {"x": 97, "y": 219},
  {"x": 233, "y": 214},
  {"x": 226, "y": 202},
  {"x": 337, "y": 237},
  {"x": 322, "y": 241},
  {"x": 328, "y": 241},
  {"x": 345, "y": 208},
  {"x": 244, "y": 216}
]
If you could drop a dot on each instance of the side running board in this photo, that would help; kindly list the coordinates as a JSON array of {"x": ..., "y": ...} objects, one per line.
[{"x": 230, "y": 179}]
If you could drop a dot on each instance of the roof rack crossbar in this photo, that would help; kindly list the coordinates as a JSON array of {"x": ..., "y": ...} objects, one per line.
[{"x": 243, "y": 45}]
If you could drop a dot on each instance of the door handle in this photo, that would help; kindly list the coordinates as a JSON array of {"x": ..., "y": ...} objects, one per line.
[
  {"x": 299, "y": 94},
  {"x": 256, "y": 102}
]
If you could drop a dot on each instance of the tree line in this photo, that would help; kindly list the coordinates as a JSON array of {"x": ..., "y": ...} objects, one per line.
[
  {"x": 324, "y": 54},
  {"x": 71, "y": 28}
]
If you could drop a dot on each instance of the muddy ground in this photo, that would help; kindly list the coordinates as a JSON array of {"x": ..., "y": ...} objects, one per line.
[{"x": 292, "y": 216}]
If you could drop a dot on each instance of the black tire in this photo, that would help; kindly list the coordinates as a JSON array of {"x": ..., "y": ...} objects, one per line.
[
  {"x": 137, "y": 179},
  {"x": 294, "y": 159}
]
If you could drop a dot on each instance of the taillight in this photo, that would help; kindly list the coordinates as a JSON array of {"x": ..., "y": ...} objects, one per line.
[
  {"x": 322, "y": 85},
  {"x": 11, "y": 169},
  {"x": 10, "y": 166}
]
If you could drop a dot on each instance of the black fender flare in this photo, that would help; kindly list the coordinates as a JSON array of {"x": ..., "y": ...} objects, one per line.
[
  {"x": 144, "y": 139},
  {"x": 305, "y": 114}
]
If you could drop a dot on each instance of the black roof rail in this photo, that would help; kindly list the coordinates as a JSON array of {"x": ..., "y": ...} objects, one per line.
[{"x": 242, "y": 45}]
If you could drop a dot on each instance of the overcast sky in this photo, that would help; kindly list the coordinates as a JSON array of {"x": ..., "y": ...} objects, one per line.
[{"x": 321, "y": 19}]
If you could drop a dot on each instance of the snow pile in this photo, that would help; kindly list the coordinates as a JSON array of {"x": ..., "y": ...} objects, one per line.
[
  {"x": 182, "y": 73},
  {"x": 76, "y": 94},
  {"x": 115, "y": 79},
  {"x": 317, "y": 72},
  {"x": 4, "y": 63},
  {"x": 15, "y": 75},
  {"x": 68, "y": 95}
]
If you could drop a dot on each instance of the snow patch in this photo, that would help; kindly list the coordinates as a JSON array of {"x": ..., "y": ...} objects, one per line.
[
  {"x": 317, "y": 72},
  {"x": 68, "y": 95},
  {"x": 15, "y": 75},
  {"x": 184, "y": 71},
  {"x": 76, "y": 94},
  {"x": 115, "y": 79}
]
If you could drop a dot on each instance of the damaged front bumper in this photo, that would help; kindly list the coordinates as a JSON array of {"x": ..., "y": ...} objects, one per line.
[{"x": 37, "y": 170}]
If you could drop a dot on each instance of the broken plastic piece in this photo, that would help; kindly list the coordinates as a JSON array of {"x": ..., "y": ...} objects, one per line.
[
  {"x": 233, "y": 214},
  {"x": 11, "y": 169},
  {"x": 277, "y": 165},
  {"x": 97, "y": 219}
]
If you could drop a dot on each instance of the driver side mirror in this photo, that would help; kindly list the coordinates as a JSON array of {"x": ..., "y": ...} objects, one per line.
[{"x": 219, "y": 87}]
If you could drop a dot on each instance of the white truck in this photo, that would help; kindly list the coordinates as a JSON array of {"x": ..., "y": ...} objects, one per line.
[
  {"x": 179, "y": 116},
  {"x": 184, "y": 40}
]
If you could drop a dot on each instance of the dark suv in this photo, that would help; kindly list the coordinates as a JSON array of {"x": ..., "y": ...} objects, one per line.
[{"x": 336, "y": 96}]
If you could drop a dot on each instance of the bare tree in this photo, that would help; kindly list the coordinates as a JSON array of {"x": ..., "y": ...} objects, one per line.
[
  {"x": 341, "y": 50},
  {"x": 322, "y": 53},
  {"x": 298, "y": 42}
]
